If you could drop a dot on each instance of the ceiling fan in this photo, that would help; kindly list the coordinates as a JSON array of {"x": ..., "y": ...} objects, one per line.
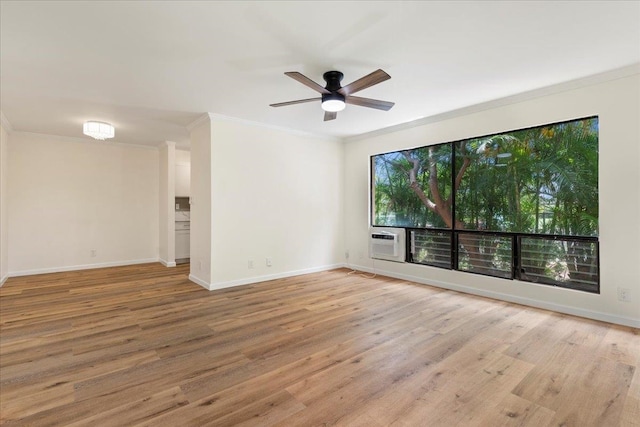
[{"x": 334, "y": 97}]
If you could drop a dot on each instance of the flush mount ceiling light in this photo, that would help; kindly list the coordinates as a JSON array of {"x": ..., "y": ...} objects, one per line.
[
  {"x": 333, "y": 102},
  {"x": 98, "y": 130}
]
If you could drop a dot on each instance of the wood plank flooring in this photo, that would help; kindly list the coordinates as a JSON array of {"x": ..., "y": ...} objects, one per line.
[{"x": 141, "y": 345}]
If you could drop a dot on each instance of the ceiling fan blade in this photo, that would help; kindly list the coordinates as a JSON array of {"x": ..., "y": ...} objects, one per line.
[
  {"x": 368, "y": 102},
  {"x": 306, "y": 81},
  {"x": 299, "y": 101},
  {"x": 369, "y": 80},
  {"x": 330, "y": 115}
]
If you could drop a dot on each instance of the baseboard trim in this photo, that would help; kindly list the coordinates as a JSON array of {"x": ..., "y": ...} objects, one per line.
[
  {"x": 258, "y": 279},
  {"x": 574, "y": 311},
  {"x": 200, "y": 282},
  {"x": 81, "y": 267},
  {"x": 4, "y": 279},
  {"x": 167, "y": 263}
]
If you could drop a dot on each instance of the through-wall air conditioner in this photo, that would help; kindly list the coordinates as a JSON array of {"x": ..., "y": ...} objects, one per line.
[{"x": 387, "y": 243}]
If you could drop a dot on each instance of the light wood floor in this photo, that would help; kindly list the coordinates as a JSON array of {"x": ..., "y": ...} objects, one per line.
[{"x": 141, "y": 345}]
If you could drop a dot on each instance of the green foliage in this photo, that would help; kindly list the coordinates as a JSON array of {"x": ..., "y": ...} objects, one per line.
[
  {"x": 541, "y": 180},
  {"x": 394, "y": 201}
]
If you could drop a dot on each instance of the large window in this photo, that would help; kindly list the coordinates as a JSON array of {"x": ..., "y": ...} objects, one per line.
[
  {"x": 520, "y": 204},
  {"x": 409, "y": 183}
]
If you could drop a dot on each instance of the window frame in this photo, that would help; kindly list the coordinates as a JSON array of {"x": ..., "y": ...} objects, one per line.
[{"x": 516, "y": 237}]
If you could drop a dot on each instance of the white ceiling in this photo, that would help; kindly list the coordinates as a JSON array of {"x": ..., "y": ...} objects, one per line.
[{"x": 150, "y": 68}]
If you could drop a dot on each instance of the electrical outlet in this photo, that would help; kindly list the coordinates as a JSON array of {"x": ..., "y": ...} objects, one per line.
[
  {"x": 200, "y": 265},
  {"x": 346, "y": 254},
  {"x": 624, "y": 294},
  {"x": 94, "y": 253},
  {"x": 360, "y": 255},
  {"x": 268, "y": 262},
  {"x": 250, "y": 263}
]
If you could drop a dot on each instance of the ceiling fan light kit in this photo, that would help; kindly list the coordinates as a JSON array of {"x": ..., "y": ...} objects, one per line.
[
  {"x": 335, "y": 97},
  {"x": 333, "y": 102}
]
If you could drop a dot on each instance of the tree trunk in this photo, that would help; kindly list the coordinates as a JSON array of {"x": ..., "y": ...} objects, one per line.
[{"x": 482, "y": 261}]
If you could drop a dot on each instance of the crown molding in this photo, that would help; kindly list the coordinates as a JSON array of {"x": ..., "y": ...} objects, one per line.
[
  {"x": 211, "y": 117},
  {"x": 167, "y": 144},
  {"x": 197, "y": 122},
  {"x": 220, "y": 117},
  {"x": 86, "y": 140},
  {"x": 6, "y": 125},
  {"x": 592, "y": 80}
]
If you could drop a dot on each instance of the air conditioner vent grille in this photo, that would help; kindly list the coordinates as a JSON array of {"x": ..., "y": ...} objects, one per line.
[{"x": 387, "y": 244}]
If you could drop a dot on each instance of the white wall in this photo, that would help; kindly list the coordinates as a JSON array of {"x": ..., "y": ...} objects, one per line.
[
  {"x": 183, "y": 157},
  {"x": 274, "y": 194},
  {"x": 200, "y": 233},
  {"x": 183, "y": 173},
  {"x": 617, "y": 105},
  {"x": 167, "y": 238},
  {"x": 68, "y": 196},
  {"x": 4, "y": 223}
]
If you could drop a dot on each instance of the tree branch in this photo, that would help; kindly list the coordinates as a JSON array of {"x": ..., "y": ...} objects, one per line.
[
  {"x": 463, "y": 169},
  {"x": 413, "y": 183},
  {"x": 433, "y": 180},
  {"x": 465, "y": 165}
]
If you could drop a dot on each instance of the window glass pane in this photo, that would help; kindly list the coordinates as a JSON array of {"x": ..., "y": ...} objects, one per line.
[
  {"x": 541, "y": 180},
  {"x": 485, "y": 254},
  {"x": 431, "y": 248},
  {"x": 567, "y": 263},
  {"x": 412, "y": 188},
  {"x": 516, "y": 187}
]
